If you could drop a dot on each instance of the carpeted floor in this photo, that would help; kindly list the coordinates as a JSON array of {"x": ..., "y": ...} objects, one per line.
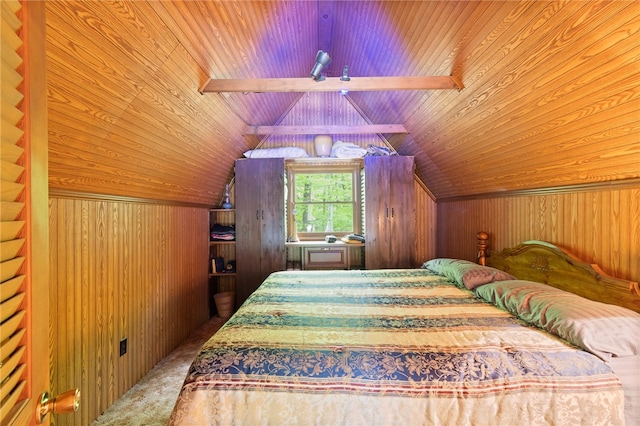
[{"x": 150, "y": 401}]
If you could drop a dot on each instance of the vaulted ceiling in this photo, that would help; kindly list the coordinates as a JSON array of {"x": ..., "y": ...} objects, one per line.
[{"x": 550, "y": 98}]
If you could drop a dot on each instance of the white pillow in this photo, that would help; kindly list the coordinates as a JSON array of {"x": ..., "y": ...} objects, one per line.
[
  {"x": 604, "y": 330},
  {"x": 286, "y": 152}
]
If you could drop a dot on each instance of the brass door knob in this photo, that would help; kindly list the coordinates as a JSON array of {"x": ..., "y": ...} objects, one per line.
[{"x": 67, "y": 402}]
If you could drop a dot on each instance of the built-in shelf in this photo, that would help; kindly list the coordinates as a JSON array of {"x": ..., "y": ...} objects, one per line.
[
  {"x": 223, "y": 274},
  {"x": 226, "y": 249}
]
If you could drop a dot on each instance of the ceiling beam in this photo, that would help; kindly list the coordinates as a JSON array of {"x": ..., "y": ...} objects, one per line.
[
  {"x": 328, "y": 130},
  {"x": 330, "y": 84}
]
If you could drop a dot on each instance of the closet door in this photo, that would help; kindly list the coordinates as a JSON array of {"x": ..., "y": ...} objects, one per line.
[
  {"x": 247, "y": 196},
  {"x": 259, "y": 195},
  {"x": 390, "y": 212},
  {"x": 376, "y": 190},
  {"x": 272, "y": 227},
  {"x": 401, "y": 215}
]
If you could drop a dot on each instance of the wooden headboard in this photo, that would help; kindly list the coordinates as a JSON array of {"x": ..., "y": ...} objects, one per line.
[{"x": 544, "y": 262}]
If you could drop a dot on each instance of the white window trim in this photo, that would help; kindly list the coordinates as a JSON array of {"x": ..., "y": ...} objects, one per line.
[{"x": 324, "y": 165}]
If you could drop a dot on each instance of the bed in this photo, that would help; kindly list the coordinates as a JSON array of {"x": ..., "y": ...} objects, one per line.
[{"x": 450, "y": 343}]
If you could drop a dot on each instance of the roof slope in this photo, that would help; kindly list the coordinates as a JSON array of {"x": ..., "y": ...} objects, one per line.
[{"x": 550, "y": 98}]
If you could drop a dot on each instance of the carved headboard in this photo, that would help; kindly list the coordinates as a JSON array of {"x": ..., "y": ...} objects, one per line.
[{"x": 543, "y": 262}]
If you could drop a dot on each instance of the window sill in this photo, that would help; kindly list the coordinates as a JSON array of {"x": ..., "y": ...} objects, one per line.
[{"x": 321, "y": 244}]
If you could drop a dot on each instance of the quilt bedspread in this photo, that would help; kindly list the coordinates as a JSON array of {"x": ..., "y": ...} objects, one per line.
[{"x": 388, "y": 347}]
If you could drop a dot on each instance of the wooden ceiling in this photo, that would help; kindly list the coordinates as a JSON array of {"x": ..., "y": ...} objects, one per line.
[{"x": 551, "y": 89}]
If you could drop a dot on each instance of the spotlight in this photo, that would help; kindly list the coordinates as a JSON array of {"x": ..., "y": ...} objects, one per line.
[{"x": 322, "y": 60}]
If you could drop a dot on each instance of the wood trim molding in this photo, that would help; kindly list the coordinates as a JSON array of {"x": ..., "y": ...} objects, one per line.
[
  {"x": 79, "y": 195},
  {"x": 596, "y": 186},
  {"x": 331, "y": 84},
  {"x": 424, "y": 187},
  {"x": 329, "y": 129}
]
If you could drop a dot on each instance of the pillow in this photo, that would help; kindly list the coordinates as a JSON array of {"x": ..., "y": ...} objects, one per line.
[
  {"x": 466, "y": 273},
  {"x": 286, "y": 152},
  {"x": 347, "y": 150},
  {"x": 602, "y": 329}
]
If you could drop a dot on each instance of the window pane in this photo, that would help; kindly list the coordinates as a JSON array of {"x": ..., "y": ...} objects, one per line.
[
  {"x": 324, "y": 202},
  {"x": 324, "y": 217},
  {"x": 323, "y": 187}
]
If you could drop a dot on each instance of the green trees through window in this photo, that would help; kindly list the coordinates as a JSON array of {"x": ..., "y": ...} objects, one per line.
[{"x": 324, "y": 202}]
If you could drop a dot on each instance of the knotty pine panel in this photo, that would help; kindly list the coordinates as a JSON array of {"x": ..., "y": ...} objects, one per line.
[
  {"x": 121, "y": 270},
  {"x": 568, "y": 114},
  {"x": 236, "y": 40},
  {"x": 125, "y": 117},
  {"x": 599, "y": 226},
  {"x": 426, "y": 217},
  {"x": 125, "y": 114},
  {"x": 318, "y": 109}
]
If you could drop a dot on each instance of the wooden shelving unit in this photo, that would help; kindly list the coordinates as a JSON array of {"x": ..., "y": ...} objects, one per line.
[{"x": 221, "y": 281}]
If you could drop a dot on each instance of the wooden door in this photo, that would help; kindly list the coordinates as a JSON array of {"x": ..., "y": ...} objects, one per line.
[
  {"x": 401, "y": 215},
  {"x": 247, "y": 196},
  {"x": 24, "y": 207},
  {"x": 390, "y": 212},
  {"x": 272, "y": 231},
  {"x": 259, "y": 193},
  {"x": 376, "y": 189}
]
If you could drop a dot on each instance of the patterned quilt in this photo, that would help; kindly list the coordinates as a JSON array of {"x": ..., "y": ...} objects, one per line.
[{"x": 389, "y": 347}]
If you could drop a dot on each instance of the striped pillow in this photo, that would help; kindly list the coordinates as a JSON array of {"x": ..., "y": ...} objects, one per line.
[{"x": 602, "y": 329}]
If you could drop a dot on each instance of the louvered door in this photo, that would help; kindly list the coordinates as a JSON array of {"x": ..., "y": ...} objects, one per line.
[{"x": 24, "y": 349}]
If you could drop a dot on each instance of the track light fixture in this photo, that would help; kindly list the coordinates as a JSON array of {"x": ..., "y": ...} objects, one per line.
[
  {"x": 345, "y": 74},
  {"x": 345, "y": 77},
  {"x": 322, "y": 60}
]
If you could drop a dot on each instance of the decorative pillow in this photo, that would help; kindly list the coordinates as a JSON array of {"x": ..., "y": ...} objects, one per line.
[
  {"x": 466, "y": 273},
  {"x": 602, "y": 329},
  {"x": 286, "y": 152}
]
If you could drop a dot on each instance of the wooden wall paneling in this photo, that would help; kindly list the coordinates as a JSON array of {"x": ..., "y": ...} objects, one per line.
[
  {"x": 121, "y": 269},
  {"x": 545, "y": 88},
  {"x": 426, "y": 219},
  {"x": 523, "y": 115},
  {"x": 55, "y": 270},
  {"x": 600, "y": 226},
  {"x": 634, "y": 232},
  {"x": 248, "y": 26},
  {"x": 140, "y": 311},
  {"x": 101, "y": 282},
  {"x": 54, "y": 285},
  {"x": 130, "y": 320},
  {"x": 144, "y": 117},
  {"x": 72, "y": 254},
  {"x": 317, "y": 109},
  {"x": 88, "y": 310}
]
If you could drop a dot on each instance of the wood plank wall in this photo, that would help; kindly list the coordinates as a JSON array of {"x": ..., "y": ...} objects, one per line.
[
  {"x": 121, "y": 269},
  {"x": 600, "y": 226},
  {"x": 426, "y": 216}
]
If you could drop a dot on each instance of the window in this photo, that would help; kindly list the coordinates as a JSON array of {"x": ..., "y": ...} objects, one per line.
[{"x": 323, "y": 197}]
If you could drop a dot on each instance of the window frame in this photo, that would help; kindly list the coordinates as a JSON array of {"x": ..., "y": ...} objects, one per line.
[{"x": 315, "y": 165}]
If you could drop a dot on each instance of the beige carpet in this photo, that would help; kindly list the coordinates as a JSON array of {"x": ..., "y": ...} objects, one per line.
[{"x": 150, "y": 401}]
